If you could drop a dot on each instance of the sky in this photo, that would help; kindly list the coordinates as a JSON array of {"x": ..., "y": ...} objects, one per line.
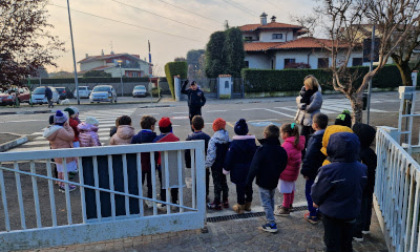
[{"x": 173, "y": 26}]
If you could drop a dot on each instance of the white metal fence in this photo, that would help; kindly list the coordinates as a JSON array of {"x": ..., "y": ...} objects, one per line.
[
  {"x": 109, "y": 201},
  {"x": 397, "y": 192}
]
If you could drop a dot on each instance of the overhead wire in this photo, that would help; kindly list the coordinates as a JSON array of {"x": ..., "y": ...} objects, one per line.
[
  {"x": 158, "y": 15},
  {"x": 239, "y": 7},
  {"x": 130, "y": 24}
]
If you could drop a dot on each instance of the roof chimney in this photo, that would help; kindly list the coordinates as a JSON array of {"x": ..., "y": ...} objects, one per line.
[
  {"x": 263, "y": 18},
  {"x": 87, "y": 55},
  {"x": 102, "y": 53},
  {"x": 273, "y": 19}
]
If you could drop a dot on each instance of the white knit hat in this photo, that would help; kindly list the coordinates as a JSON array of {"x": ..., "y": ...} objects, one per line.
[{"x": 92, "y": 120}]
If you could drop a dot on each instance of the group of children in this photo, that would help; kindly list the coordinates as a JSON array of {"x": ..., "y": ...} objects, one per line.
[{"x": 332, "y": 166}]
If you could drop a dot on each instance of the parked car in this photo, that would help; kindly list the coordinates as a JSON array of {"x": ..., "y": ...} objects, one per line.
[
  {"x": 38, "y": 96},
  {"x": 103, "y": 93},
  {"x": 140, "y": 90},
  {"x": 8, "y": 97},
  {"x": 84, "y": 92},
  {"x": 64, "y": 92}
]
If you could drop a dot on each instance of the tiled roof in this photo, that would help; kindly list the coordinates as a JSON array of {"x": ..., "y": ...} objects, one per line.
[
  {"x": 272, "y": 25},
  {"x": 260, "y": 46},
  {"x": 306, "y": 42},
  {"x": 108, "y": 56}
]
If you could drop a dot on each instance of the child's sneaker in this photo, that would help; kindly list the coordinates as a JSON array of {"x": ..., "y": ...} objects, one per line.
[
  {"x": 358, "y": 238},
  {"x": 282, "y": 211},
  {"x": 213, "y": 206},
  {"x": 269, "y": 227},
  {"x": 291, "y": 209},
  {"x": 248, "y": 206},
  {"x": 365, "y": 232},
  {"x": 239, "y": 209},
  {"x": 226, "y": 203},
  {"x": 311, "y": 219},
  {"x": 63, "y": 188}
]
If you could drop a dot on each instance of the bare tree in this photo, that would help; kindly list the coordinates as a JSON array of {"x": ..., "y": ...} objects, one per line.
[
  {"x": 345, "y": 19},
  {"x": 25, "y": 42}
]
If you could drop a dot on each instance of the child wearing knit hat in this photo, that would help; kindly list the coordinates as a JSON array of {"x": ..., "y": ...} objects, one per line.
[
  {"x": 238, "y": 161},
  {"x": 60, "y": 135},
  {"x": 74, "y": 121},
  {"x": 216, "y": 153},
  {"x": 88, "y": 135}
]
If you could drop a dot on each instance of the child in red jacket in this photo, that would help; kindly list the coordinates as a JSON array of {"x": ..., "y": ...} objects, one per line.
[{"x": 293, "y": 144}]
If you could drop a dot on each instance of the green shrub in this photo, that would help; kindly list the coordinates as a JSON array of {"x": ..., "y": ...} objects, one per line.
[
  {"x": 175, "y": 68},
  {"x": 257, "y": 80}
]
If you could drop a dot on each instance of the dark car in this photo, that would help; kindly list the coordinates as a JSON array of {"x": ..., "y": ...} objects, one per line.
[{"x": 64, "y": 92}]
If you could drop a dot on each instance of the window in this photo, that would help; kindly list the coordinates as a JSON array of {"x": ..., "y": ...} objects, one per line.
[
  {"x": 288, "y": 61},
  {"x": 277, "y": 36},
  {"x": 246, "y": 64},
  {"x": 248, "y": 38},
  {"x": 323, "y": 62},
  {"x": 357, "y": 62}
]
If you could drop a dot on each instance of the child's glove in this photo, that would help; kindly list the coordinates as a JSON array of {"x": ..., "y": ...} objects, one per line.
[
  {"x": 186, "y": 82},
  {"x": 226, "y": 172}
]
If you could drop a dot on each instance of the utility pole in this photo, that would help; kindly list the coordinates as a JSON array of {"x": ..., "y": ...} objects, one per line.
[
  {"x": 121, "y": 80},
  {"x": 150, "y": 73},
  {"x": 372, "y": 50},
  {"x": 76, "y": 80}
]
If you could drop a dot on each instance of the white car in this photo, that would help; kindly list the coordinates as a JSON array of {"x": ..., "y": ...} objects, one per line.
[
  {"x": 103, "y": 93},
  {"x": 139, "y": 90},
  {"x": 84, "y": 92},
  {"x": 38, "y": 96}
]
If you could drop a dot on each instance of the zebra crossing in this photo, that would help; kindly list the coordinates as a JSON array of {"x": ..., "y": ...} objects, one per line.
[{"x": 106, "y": 120}]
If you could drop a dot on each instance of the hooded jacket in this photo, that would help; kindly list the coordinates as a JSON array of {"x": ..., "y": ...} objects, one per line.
[
  {"x": 60, "y": 137},
  {"x": 367, "y": 156},
  {"x": 144, "y": 136},
  {"x": 88, "y": 135},
  {"x": 74, "y": 122},
  {"x": 294, "y": 158},
  {"x": 327, "y": 134},
  {"x": 313, "y": 158},
  {"x": 123, "y": 135},
  {"x": 216, "y": 152},
  {"x": 305, "y": 111},
  {"x": 339, "y": 186},
  {"x": 239, "y": 157},
  {"x": 269, "y": 161}
]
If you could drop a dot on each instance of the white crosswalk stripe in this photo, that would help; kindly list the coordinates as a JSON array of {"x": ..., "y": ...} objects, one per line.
[{"x": 106, "y": 121}]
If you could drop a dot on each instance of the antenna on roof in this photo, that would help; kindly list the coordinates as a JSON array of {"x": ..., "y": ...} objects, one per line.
[
  {"x": 273, "y": 19},
  {"x": 112, "y": 47}
]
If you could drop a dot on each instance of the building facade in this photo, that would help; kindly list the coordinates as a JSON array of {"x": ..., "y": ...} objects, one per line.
[
  {"x": 278, "y": 45},
  {"x": 122, "y": 64}
]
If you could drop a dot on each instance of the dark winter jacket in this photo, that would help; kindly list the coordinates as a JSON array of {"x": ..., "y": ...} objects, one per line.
[
  {"x": 196, "y": 98},
  {"x": 198, "y": 135},
  {"x": 144, "y": 136},
  {"x": 269, "y": 161},
  {"x": 239, "y": 158},
  {"x": 367, "y": 156},
  {"x": 339, "y": 186},
  {"x": 313, "y": 158},
  {"x": 48, "y": 93}
]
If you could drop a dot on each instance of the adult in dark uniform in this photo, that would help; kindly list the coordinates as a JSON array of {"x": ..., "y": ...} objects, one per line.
[
  {"x": 48, "y": 95},
  {"x": 196, "y": 98}
]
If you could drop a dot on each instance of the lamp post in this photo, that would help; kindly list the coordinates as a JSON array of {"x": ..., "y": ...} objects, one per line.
[{"x": 121, "y": 80}]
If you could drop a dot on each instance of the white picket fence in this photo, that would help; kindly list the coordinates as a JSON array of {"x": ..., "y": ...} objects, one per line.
[
  {"x": 397, "y": 191},
  {"x": 109, "y": 201}
]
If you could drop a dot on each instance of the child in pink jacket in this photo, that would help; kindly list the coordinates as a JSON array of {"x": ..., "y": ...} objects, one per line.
[
  {"x": 293, "y": 144},
  {"x": 88, "y": 135}
]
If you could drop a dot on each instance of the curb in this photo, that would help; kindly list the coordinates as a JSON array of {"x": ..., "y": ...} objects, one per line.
[
  {"x": 12, "y": 144},
  {"x": 27, "y": 112}
]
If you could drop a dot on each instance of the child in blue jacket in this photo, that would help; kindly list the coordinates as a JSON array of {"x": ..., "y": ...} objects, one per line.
[
  {"x": 237, "y": 163},
  {"x": 338, "y": 190},
  {"x": 312, "y": 162}
]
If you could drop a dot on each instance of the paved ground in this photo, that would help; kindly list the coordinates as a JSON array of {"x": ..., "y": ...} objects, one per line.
[{"x": 295, "y": 234}]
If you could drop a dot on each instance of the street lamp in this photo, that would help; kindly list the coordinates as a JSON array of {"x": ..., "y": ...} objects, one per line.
[
  {"x": 76, "y": 81},
  {"x": 121, "y": 80}
]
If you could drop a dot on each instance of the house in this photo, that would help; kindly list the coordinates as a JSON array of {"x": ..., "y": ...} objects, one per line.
[
  {"x": 278, "y": 45},
  {"x": 120, "y": 64}
]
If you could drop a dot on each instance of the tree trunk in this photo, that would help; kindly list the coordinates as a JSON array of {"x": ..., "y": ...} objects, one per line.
[
  {"x": 405, "y": 72},
  {"x": 357, "y": 106}
]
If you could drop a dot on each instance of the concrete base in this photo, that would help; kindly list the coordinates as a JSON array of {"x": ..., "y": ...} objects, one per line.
[{"x": 12, "y": 144}]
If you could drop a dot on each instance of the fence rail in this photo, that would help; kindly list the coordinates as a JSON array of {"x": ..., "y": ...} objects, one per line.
[
  {"x": 397, "y": 192},
  {"x": 109, "y": 202}
]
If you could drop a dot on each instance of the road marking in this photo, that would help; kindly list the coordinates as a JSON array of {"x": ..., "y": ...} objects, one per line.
[
  {"x": 181, "y": 112},
  {"x": 179, "y": 117},
  {"x": 280, "y": 113},
  {"x": 289, "y": 109},
  {"x": 212, "y": 111},
  {"x": 264, "y": 124},
  {"x": 251, "y": 109},
  {"x": 231, "y": 125},
  {"x": 24, "y": 121}
]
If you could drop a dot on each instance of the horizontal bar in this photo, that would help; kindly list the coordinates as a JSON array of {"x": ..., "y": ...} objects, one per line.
[
  {"x": 95, "y": 188},
  {"x": 410, "y": 115},
  {"x": 100, "y": 151}
]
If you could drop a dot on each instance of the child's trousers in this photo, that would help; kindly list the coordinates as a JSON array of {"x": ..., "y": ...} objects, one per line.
[
  {"x": 220, "y": 185},
  {"x": 313, "y": 212},
  {"x": 244, "y": 193}
]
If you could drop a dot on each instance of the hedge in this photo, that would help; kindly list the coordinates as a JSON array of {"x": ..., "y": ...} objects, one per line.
[
  {"x": 257, "y": 80},
  {"x": 175, "y": 68}
]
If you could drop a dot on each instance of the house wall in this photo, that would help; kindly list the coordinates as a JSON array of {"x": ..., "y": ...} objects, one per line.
[
  {"x": 90, "y": 65},
  {"x": 259, "y": 61}
]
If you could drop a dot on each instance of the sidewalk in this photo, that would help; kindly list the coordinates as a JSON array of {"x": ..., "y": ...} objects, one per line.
[{"x": 295, "y": 234}]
